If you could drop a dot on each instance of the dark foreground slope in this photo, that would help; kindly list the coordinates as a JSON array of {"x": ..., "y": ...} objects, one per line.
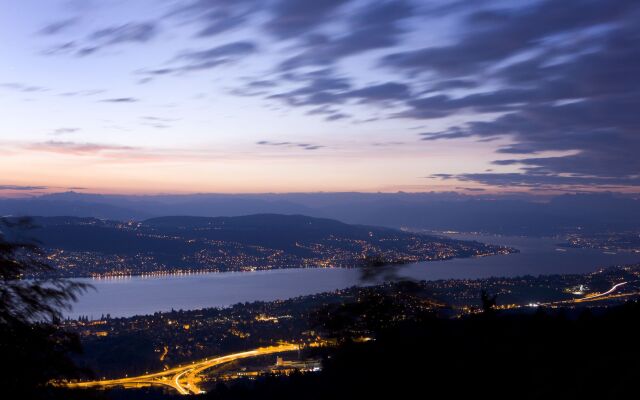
[
  {"x": 550, "y": 354},
  {"x": 541, "y": 356}
]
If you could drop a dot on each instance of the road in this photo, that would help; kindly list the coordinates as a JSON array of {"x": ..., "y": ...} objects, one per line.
[
  {"x": 184, "y": 379},
  {"x": 597, "y": 295}
]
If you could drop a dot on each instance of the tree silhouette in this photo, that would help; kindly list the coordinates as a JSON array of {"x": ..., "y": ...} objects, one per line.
[
  {"x": 488, "y": 303},
  {"x": 34, "y": 350}
]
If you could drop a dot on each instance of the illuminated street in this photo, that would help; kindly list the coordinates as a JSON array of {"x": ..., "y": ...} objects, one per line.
[
  {"x": 184, "y": 379},
  {"x": 609, "y": 294},
  {"x": 598, "y": 295}
]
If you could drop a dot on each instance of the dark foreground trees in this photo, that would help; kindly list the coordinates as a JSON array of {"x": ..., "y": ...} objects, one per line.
[
  {"x": 33, "y": 350},
  {"x": 415, "y": 353},
  {"x": 570, "y": 354}
]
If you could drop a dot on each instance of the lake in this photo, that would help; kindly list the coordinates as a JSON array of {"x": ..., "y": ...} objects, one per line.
[{"x": 122, "y": 297}]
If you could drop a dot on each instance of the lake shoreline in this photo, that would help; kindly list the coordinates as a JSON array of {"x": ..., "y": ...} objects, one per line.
[{"x": 143, "y": 295}]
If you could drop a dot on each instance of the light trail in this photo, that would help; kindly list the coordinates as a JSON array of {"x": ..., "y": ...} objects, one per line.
[
  {"x": 172, "y": 377},
  {"x": 592, "y": 297},
  {"x": 595, "y": 296},
  {"x": 177, "y": 385}
]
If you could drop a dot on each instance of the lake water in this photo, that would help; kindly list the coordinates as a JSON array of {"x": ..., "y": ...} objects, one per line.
[{"x": 129, "y": 296}]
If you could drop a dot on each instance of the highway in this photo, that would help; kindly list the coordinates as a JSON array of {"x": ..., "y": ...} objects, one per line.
[
  {"x": 597, "y": 295},
  {"x": 177, "y": 385},
  {"x": 184, "y": 379},
  {"x": 608, "y": 295}
]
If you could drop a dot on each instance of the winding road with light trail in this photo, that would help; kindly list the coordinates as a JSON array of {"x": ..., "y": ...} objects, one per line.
[
  {"x": 609, "y": 294},
  {"x": 597, "y": 295},
  {"x": 183, "y": 379}
]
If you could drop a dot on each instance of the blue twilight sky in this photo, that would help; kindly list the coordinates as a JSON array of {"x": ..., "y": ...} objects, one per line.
[{"x": 149, "y": 96}]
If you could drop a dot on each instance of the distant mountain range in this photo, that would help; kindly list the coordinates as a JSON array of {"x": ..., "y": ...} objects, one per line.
[{"x": 527, "y": 215}]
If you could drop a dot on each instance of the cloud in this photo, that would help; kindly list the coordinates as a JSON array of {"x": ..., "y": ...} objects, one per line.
[
  {"x": 331, "y": 114},
  {"x": 452, "y": 133},
  {"x": 62, "y": 48},
  {"x": 20, "y": 188},
  {"x": 120, "y": 100},
  {"x": 207, "y": 59},
  {"x": 63, "y": 131},
  {"x": 326, "y": 88},
  {"x": 75, "y": 148},
  {"x": 540, "y": 180},
  {"x": 261, "y": 84},
  {"x": 492, "y": 35},
  {"x": 157, "y": 122},
  {"x": 57, "y": 27},
  {"x": 545, "y": 78},
  {"x": 569, "y": 91},
  {"x": 322, "y": 87},
  {"x": 133, "y": 32},
  {"x": 115, "y": 153},
  {"x": 159, "y": 119},
  {"x": 381, "y": 92},
  {"x": 21, "y": 87},
  {"x": 368, "y": 26},
  {"x": 290, "y": 18},
  {"x": 216, "y": 53},
  {"x": 214, "y": 17},
  {"x": 388, "y": 144},
  {"x": 305, "y": 146},
  {"x": 337, "y": 116},
  {"x": 374, "y": 26},
  {"x": 257, "y": 87},
  {"x": 82, "y": 93},
  {"x": 283, "y": 19}
]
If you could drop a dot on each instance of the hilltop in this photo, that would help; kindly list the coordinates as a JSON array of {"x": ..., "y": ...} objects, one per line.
[{"x": 90, "y": 246}]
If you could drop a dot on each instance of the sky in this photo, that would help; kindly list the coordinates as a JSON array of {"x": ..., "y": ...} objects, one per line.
[{"x": 250, "y": 96}]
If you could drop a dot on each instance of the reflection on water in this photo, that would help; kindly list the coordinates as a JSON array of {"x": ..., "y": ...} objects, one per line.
[{"x": 144, "y": 295}]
